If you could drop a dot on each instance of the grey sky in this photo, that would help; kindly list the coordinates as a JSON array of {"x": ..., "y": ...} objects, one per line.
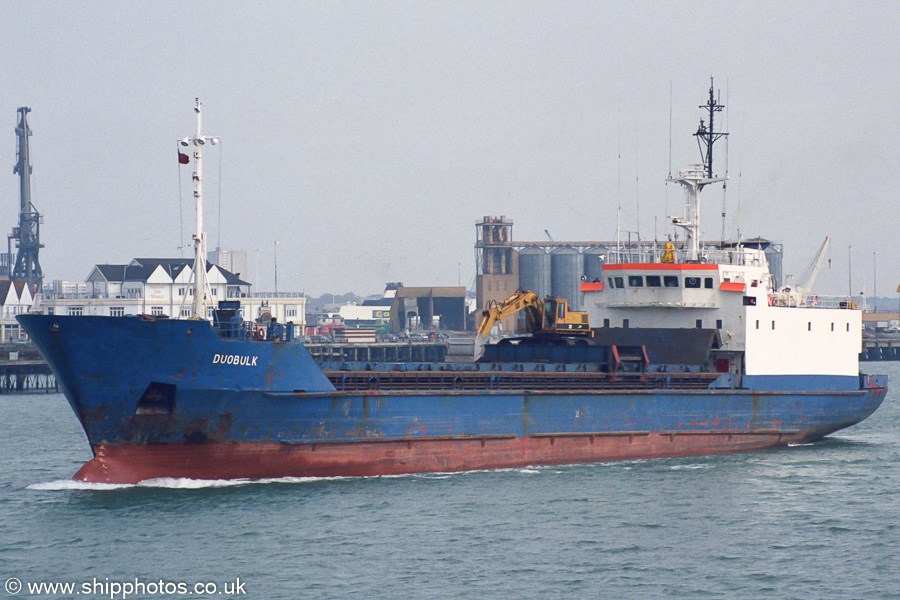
[{"x": 368, "y": 138}]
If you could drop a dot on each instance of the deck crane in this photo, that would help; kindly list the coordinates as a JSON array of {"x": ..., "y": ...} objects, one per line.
[{"x": 798, "y": 295}]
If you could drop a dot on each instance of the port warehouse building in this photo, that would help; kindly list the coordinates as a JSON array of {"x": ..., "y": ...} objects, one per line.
[
  {"x": 554, "y": 268},
  {"x": 164, "y": 287}
]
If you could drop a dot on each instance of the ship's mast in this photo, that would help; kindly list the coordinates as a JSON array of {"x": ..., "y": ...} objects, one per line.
[
  {"x": 706, "y": 136},
  {"x": 28, "y": 235},
  {"x": 695, "y": 178},
  {"x": 201, "y": 286}
]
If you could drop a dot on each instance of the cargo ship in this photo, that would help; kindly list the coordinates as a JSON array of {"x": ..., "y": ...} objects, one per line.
[{"x": 694, "y": 350}]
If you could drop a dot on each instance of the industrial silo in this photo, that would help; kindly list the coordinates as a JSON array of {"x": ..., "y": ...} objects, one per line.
[
  {"x": 567, "y": 267},
  {"x": 534, "y": 271}
]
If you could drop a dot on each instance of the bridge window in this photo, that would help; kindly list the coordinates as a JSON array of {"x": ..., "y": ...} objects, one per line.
[
  {"x": 692, "y": 282},
  {"x": 708, "y": 283},
  {"x": 670, "y": 280},
  {"x": 625, "y": 323},
  {"x": 620, "y": 282},
  {"x": 635, "y": 281},
  {"x": 718, "y": 323},
  {"x": 606, "y": 322},
  {"x": 654, "y": 281},
  {"x": 699, "y": 323}
]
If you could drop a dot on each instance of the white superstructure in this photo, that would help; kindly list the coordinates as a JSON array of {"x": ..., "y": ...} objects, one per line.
[
  {"x": 760, "y": 330},
  {"x": 726, "y": 290}
]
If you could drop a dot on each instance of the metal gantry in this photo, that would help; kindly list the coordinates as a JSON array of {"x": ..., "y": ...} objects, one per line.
[{"x": 27, "y": 235}]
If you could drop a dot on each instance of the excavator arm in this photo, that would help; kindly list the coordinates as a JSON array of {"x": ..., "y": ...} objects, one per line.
[{"x": 520, "y": 300}]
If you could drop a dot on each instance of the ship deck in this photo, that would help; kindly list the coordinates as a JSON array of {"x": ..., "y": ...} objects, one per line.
[{"x": 551, "y": 380}]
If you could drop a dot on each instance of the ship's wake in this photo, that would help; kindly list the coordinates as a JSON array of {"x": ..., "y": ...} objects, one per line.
[
  {"x": 173, "y": 483},
  {"x": 168, "y": 483}
]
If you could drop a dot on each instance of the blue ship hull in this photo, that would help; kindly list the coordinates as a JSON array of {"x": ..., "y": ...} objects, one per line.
[{"x": 171, "y": 398}]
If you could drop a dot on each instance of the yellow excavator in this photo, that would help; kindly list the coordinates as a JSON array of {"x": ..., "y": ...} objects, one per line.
[{"x": 548, "y": 317}]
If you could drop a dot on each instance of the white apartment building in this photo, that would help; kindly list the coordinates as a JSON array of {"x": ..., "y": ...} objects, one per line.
[{"x": 164, "y": 287}]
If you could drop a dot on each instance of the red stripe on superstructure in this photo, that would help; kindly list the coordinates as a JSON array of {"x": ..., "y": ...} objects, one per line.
[
  {"x": 592, "y": 286},
  {"x": 730, "y": 286},
  {"x": 661, "y": 267},
  {"x": 131, "y": 463}
]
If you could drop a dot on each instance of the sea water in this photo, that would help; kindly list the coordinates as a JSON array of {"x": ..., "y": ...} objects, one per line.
[{"x": 819, "y": 520}]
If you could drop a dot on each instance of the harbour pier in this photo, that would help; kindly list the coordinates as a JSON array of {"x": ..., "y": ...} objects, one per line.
[
  {"x": 880, "y": 347},
  {"x": 23, "y": 369}
]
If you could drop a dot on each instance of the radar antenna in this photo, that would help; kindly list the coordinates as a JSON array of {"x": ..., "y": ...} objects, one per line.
[{"x": 707, "y": 136}]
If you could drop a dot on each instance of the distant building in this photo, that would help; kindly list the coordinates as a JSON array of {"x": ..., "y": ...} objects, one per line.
[
  {"x": 60, "y": 288},
  {"x": 164, "y": 287},
  {"x": 428, "y": 308},
  {"x": 234, "y": 261},
  {"x": 15, "y": 299}
]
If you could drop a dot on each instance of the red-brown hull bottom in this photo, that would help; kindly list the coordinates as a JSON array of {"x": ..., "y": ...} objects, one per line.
[{"x": 131, "y": 463}]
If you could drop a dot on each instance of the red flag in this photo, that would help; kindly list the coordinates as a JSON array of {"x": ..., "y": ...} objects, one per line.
[{"x": 184, "y": 159}]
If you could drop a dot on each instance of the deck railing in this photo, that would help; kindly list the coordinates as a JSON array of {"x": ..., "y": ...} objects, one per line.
[
  {"x": 813, "y": 301},
  {"x": 655, "y": 251}
]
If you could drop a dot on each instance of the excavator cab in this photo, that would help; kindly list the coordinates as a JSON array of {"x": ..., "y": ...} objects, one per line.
[{"x": 555, "y": 313}]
